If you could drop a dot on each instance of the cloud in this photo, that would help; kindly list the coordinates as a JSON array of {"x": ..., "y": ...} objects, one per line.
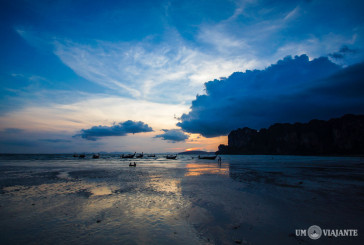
[
  {"x": 153, "y": 67},
  {"x": 121, "y": 129},
  {"x": 149, "y": 69},
  {"x": 344, "y": 51},
  {"x": 12, "y": 130},
  {"x": 93, "y": 109},
  {"x": 55, "y": 140},
  {"x": 292, "y": 13},
  {"x": 4, "y": 144},
  {"x": 293, "y": 89},
  {"x": 144, "y": 70},
  {"x": 172, "y": 135}
]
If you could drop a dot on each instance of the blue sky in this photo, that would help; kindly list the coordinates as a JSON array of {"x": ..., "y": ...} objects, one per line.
[{"x": 73, "y": 67}]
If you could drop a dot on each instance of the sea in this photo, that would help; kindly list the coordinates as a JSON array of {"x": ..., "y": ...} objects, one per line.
[{"x": 245, "y": 199}]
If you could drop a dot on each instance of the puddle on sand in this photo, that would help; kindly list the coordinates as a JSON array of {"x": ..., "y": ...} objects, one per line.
[
  {"x": 63, "y": 175},
  {"x": 101, "y": 191}
]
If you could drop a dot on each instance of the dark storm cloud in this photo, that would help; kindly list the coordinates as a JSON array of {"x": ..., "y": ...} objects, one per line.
[
  {"x": 293, "y": 90},
  {"x": 120, "y": 129},
  {"x": 345, "y": 50},
  {"x": 172, "y": 135}
]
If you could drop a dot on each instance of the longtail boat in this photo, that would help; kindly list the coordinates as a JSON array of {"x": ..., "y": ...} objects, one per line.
[
  {"x": 207, "y": 157},
  {"x": 128, "y": 155},
  {"x": 171, "y": 157}
]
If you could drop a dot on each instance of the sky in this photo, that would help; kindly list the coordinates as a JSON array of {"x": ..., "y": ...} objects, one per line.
[{"x": 169, "y": 76}]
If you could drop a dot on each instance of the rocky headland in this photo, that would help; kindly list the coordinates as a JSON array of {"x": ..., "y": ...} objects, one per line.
[{"x": 338, "y": 136}]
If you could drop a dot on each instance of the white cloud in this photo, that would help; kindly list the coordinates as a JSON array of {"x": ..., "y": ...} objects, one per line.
[
  {"x": 166, "y": 72},
  {"x": 292, "y": 14},
  {"x": 224, "y": 43}
]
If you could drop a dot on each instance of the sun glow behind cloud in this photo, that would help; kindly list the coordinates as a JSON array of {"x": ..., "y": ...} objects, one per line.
[
  {"x": 90, "y": 112},
  {"x": 63, "y": 121}
]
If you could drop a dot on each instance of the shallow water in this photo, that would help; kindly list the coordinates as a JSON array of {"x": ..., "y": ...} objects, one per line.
[{"x": 59, "y": 199}]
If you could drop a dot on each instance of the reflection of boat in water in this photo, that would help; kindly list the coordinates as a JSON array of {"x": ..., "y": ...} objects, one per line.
[
  {"x": 171, "y": 157},
  {"x": 132, "y": 165},
  {"x": 128, "y": 155},
  {"x": 151, "y": 155},
  {"x": 139, "y": 155},
  {"x": 96, "y": 156},
  {"x": 207, "y": 157}
]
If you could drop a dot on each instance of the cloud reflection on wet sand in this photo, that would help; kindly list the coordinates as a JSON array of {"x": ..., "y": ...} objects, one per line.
[
  {"x": 120, "y": 210},
  {"x": 184, "y": 201},
  {"x": 196, "y": 169}
]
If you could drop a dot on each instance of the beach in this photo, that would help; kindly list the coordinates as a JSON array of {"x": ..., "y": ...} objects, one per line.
[{"x": 59, "y": 199}]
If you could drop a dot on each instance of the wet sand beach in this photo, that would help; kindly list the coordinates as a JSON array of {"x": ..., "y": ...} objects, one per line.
[{"x": 58, "y": 199}]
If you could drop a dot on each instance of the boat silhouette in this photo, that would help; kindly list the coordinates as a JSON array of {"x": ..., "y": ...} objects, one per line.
[{"x": 128, "y": 155}]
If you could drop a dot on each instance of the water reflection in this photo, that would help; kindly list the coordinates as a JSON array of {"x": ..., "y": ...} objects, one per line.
[
  {"x": 147, "y": 209},
  {"x": 165, "y": 185},
  {"x": 95, "y": 202},
  {"x": 196, "y": 169},
  {"x": 136, "y": 207},
  {"x": 101, "y": 191}
]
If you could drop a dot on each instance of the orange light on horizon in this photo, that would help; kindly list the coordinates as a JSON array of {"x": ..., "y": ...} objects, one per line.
[
  {"x": 176, "y": 148},
  {"x": 193, "y": 149},
  {"x": 198, "y": 142}
]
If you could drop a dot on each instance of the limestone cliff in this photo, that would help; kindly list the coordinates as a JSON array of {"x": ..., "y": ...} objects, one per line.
[{"x": 339, "y": 136}]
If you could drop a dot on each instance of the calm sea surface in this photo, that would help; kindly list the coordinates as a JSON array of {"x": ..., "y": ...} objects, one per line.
[{"x": 59, "y": 199}]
